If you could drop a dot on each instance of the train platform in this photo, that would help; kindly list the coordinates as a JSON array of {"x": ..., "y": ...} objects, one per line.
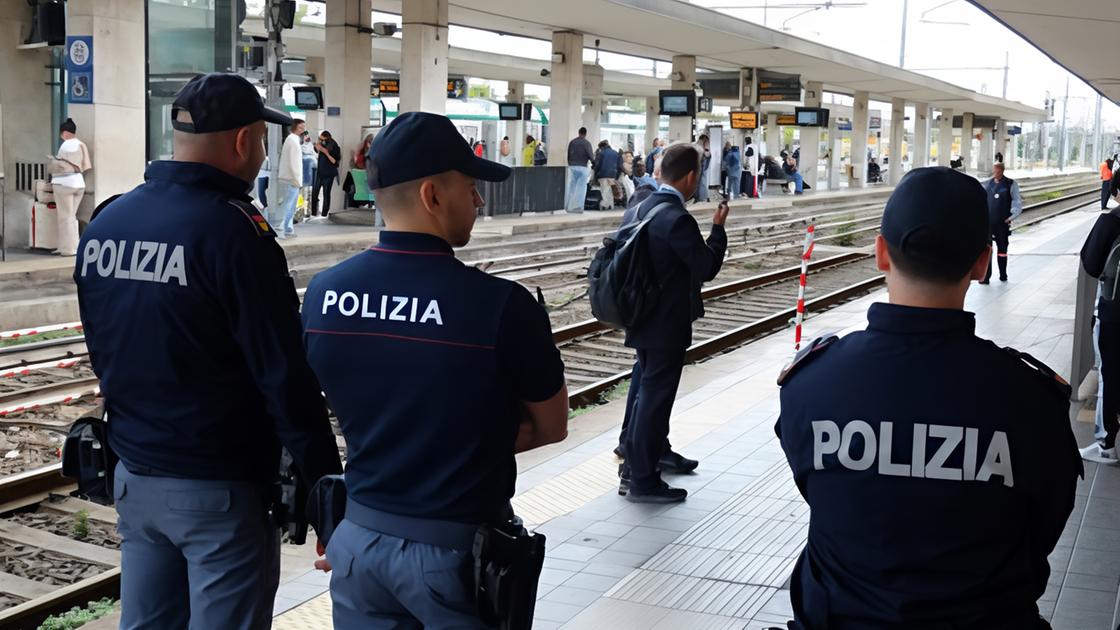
[{"x": 723, "y": 558}]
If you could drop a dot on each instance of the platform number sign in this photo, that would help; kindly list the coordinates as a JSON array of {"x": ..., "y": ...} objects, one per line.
[{"x": 79, "y": 68}]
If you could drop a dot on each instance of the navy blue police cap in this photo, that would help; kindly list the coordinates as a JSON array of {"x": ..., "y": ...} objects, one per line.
[
  {"x": 420, "y": 144},
  {"x": 938, "y": 215},
  {"x": 220, "y": 101}
]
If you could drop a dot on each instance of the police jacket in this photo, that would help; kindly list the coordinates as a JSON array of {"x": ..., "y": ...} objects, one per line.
[
  {"x": 683, "y": 261},
  {"x": 192, "y": 325},
  {"x": 939, "y": 469},
  {"x": 426, "y": 362},
  {"x": 1094, "y": 256},
  {"x": 1004, "y": 200}
]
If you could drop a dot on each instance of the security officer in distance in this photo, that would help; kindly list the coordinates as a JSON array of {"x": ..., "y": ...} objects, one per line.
[
  {"x": 1005, "y": 204},
  {"x": 939, "y": 468},
  {"x": 193, "y": 328},
  {"x": 439, "y": 374}
]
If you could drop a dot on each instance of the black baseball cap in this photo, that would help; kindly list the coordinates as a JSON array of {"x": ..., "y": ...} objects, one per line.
[
  {"x": 420, "y": 144},
  {"x": 220, "y": 101},
  {"x": 939, "y": 217}
]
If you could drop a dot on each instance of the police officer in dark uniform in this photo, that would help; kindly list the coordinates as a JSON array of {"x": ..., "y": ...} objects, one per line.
[
  {"x": 1005, "y": 204},
  {"x": 438, "y": 374},
  {"x": 1100, "y": 256},
  {"x": 939, "y": 468},
  {"x": 193, "y": 328}
]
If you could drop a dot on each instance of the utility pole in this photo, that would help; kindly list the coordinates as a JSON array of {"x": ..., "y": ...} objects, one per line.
[
  {"x": 274, "y": 97},
  {"x": 1006, "y": 69},
  {"x": 1063, "y": 142},
  {"x": 902, "y": 43}
]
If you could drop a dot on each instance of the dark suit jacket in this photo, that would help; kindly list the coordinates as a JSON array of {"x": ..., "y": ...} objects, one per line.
[{"x": 683, "y": 261}]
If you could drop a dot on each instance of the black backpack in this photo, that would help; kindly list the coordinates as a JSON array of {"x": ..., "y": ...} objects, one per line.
[
  {"x": 624, "y": 287},
  {"x": 88, "y": 459}
]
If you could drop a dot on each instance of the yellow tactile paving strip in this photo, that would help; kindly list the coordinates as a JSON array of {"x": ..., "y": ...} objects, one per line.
[{"x": 313, "y": 614}]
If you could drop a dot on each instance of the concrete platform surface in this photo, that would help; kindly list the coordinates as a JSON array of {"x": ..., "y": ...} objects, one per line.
[{"x": 723, "y": 558}]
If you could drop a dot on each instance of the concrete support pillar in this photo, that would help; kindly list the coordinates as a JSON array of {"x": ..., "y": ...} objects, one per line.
[
  {"x": 966, "y": 140},
  {"x": 898, "y": 138},
  {"x": 1011, "y": 156},
  {"x": 861, "y": 120},
  {"x": 835, "y": 145},
  {"x": 987, "y": 151},
  {"x": 680, "y": 127},
  {"x": 919, "y": 153},
  {"x": 653, "y": 124},
  {"x": 593, "y": 101},
  {"x": 773, "y": 137},
  {"x": 945, "y": 137},
  {"x": 515, "y": 129},
  {"x": 423, "y": 56},
  {"x": 811, "y": 138},
  {"x": 565, "y": 115},
  {"x": 346, "y": 72},
  {"x": 109, "y": 126}
]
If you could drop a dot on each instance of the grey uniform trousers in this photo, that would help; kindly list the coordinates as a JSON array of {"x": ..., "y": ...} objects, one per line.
[
  {"x": 381, "y": 582},
  {"x": 195, "y": 553}
]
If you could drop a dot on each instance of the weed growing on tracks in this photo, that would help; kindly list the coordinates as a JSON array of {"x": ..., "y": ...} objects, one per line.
[
  {"x": 846, "y": 238},
  {"x": 614, "y": 393},
  {"x": 80, "y": 527},
  {"x": 78, "y": 616}
]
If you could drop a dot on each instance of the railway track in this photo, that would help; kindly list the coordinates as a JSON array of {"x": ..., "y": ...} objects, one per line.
[{"x": 595, "y": 360}]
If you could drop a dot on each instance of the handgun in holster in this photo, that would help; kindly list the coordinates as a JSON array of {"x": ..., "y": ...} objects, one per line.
[
  {"x": 289, "y": 498},
  {"x": 507, "y": 566},
  {"x": 88, "y": 458}
]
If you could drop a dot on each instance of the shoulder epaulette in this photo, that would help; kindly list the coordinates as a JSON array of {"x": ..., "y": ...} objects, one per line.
[
  {"x": 260, "y": 224},
  {"x": 101, "y": 206},
  {"x": 815, "y": 349},
  {"x": 1058, "y": 384}
]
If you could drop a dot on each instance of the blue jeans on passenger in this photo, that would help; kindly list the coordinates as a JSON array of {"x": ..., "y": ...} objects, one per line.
[
  {"x": 578, "y": 177},
  {"x": 734, "y": 181},
  {"x": 309, "y": 168},
  {"x": 195, "y": 553},
  {"x": 262, "y": 190},
  {"x": 702, "y": 187},
  {"x": 381, "y": 582},
  {"x": 284, "y": 212},
  {"x": 798, "y": 182}
]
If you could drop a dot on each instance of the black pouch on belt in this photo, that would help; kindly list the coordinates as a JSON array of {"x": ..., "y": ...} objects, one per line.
[
  {"x": 507, "y": 565},
  {"x": 326, "y": 506},
  {"x": 87, "y": 458}
]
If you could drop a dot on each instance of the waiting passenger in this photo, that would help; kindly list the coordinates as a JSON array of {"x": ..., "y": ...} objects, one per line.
[
  {"x": 938, "y": 467},
  {"x": 1100, "y": 260}
]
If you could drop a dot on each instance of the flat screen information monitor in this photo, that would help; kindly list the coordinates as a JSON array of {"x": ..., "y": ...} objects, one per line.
[
  {"x": 811, "y": 117},
  {"x": 677, "y": 102},
  {"x": 509, "y": 111},
  {"x": 308, "y": 98},
  {"x": 744, "y": 120}
]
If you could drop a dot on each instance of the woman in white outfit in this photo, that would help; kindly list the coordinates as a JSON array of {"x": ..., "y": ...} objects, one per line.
[{"x": 69, "y": 186}]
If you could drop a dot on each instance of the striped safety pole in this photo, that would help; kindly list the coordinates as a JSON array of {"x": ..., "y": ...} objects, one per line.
[{"x": 807, "y": 251}]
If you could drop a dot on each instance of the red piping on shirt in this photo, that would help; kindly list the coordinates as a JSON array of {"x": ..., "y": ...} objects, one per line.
[{"x": 401, "y": 337}]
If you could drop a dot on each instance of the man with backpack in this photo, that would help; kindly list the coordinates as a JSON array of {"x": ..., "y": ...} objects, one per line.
[
  {"x": 1101, "y": 258},
  {"x": 680, "y": 261}
]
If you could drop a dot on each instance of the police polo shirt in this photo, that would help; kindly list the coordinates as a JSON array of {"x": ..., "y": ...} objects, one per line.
[
  {"x": 425, "y": 361},
  {"x": 939, "y": 468},
  {"x": 192, "y": 325}
]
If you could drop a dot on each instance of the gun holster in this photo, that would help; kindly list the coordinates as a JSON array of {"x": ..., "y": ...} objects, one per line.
[
  {"x": 507, "y": 565},
  {"x": 289, "y": 500},
  {"x": 87, "y": 458},
  {"x": 326, "y": 506}
]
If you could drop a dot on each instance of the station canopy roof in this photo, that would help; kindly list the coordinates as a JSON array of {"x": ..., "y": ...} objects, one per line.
[{"x": 1076, "y": 34}]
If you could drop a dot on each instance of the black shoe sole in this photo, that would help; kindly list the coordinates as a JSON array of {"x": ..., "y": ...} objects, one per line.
[
  {"x": 677, "y": 470},
  {"x": 618, "y": 452},
  {"x": 623, "y": 487},
  {"x": 654, "y": 498}
]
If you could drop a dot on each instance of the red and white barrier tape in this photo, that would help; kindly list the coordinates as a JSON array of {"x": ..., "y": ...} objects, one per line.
[
  {"x": 24, "y": 370},
  {"x": 807, "y": 251},
  {"x": 49, "y": 400},
  {"x": 14, "y": 334}
]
